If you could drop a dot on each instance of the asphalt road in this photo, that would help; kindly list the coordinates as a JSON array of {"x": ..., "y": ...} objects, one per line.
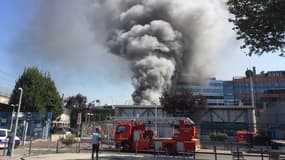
[{"x": 129, "y": 156}]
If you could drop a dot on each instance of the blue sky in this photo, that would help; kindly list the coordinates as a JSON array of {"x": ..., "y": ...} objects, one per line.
[{"x": 95, "y": 75}]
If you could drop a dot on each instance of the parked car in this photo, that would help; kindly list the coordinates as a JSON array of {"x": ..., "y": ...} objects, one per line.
[
  {"x": 62, "y": 130},
  {"x": 4, "y": 133}
]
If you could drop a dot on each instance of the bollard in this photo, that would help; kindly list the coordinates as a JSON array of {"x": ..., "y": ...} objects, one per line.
[
  {"x": 30, "y": 146},
  {"x": 4, "y": 150},
  {"x": 136, "y": 147},
  {"x": 215, "y": 152},
  {"x": 238, "y": 152},
  {"x": 120, "y": 147},
  {"x": 261, "y": 153},
  {"x": 188, "y": 155},
  {"x": 57, "y": 145},
  {"x": 166, "y": 153},
  {"x": 79, "y": 146}
]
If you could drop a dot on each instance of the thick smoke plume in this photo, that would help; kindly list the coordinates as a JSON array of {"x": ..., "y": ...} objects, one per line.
[{"x": 162, "y": 39}]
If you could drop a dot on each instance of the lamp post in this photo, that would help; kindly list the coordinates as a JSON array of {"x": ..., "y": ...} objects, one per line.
[
  {"x": 250, "y": 75},
  {"x": 12, "y": 117},
  {"x": 17, "y": 118}
]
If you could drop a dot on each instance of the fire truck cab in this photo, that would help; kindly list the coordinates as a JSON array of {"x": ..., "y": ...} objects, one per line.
[{"x": 126, "y": 133}]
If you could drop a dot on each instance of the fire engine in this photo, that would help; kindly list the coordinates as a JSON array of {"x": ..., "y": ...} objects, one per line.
[{"x": 134, "y": 135}]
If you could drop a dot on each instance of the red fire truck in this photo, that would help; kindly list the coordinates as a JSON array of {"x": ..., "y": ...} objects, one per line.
[
  {"x": 133, "y": 135},
  {"x": 245, "y": 136}
]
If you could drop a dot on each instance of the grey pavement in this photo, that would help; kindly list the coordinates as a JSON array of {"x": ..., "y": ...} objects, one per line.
[
  {"x": 124, "y": 156},
  {"x": 47, "y": 151},
  {"x": 108, "y": 155},
  {"x": 81, "y": 156}
]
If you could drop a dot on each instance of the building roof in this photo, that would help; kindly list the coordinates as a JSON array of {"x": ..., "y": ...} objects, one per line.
[{"x": 137, "y": 106}]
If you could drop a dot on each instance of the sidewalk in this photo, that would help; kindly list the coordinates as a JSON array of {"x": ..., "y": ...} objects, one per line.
[
  {"x": 18, "y": 154},
  {"x": 82, "y": 156},
  {"x": 45, "y": 150}
]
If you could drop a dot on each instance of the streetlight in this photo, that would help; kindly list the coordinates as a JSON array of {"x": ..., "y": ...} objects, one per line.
[
  {"x": 12, "y": 117},
  {"x": 17, "y": 118},
  {"x": 250, "y": 75}
]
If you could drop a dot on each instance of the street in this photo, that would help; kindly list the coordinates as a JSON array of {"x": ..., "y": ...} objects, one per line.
[
  {"x": 109, "y": 155},
  {"x": 42, "y": 150}
]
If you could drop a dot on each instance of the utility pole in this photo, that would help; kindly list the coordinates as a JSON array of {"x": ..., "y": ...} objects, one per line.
[
  {"x": 17, "y": 118},
  {"x": 12, "y": 117}
]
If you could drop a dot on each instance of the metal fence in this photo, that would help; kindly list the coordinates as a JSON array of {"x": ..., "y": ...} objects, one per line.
[
  {"x": 37, "y": 123},
  {"x": 209, "y": 151}
]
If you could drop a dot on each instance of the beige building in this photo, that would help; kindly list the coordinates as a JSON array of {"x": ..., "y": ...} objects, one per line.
[{"x": 4, "y": 99}]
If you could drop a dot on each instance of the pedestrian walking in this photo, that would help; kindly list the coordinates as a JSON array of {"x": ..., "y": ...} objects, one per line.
[
  {"x": 96, "y": 139},
  {"x": 10, "y": 143}
]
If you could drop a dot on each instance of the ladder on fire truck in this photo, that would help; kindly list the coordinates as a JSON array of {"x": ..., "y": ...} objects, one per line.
[{"x": 151, "y": 119}]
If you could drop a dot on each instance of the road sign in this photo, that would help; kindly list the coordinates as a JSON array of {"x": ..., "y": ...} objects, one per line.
[{"x": 78, "y": 122}]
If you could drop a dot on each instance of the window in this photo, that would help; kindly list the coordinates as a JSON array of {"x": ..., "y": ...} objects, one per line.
[
  {"x": 2, "y": 133},
  {"x": 282, "y": 84},
  {"x": 121, "y": 129},
  {"x": 273, "y": 84}
]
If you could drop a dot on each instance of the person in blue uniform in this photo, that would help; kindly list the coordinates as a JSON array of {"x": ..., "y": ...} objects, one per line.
[{"x": 96, "y": 139}]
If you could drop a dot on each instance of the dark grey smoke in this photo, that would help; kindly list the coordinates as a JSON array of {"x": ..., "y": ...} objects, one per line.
[{"x": 162, "y": 38}]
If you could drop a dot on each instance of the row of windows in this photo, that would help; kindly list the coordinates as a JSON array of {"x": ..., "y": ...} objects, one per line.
[
  {"x": 260, "y": 84},
  {"x": 276, "y": 74},
  {"x": 216, "y": 83},
  {"x": 258, "y": 91},
  {"x": 227, "y": 89},
  {"x": 212, "y": 92}
]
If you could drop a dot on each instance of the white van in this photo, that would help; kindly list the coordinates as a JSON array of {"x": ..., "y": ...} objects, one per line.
[{"x": 4, "y": 137}]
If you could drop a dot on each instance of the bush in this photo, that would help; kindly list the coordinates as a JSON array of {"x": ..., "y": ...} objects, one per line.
[
  {"x": 68, "y": 140},
  {"x": 218, "y": 136}
]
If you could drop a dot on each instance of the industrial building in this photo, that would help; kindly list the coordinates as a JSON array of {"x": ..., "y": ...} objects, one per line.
[
  {"x": 211, "y": 88},
  {"x": 268, "y": 88}
]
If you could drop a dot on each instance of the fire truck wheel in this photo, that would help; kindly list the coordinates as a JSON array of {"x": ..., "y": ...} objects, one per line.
[
  {"x": 170, "y": 149},
  {"x": 126, "y": 146}
]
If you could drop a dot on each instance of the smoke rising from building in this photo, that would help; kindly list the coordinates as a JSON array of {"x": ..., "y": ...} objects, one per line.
[
  {"x": 158, "y": 39},
  {"x": 162, "y": 39}
]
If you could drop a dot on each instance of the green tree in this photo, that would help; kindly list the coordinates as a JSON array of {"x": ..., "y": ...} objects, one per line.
[
  {"x": 39, "y": 93},
  {"x": 77, "y": 101},
  {"x": 260, "y": 24}
]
